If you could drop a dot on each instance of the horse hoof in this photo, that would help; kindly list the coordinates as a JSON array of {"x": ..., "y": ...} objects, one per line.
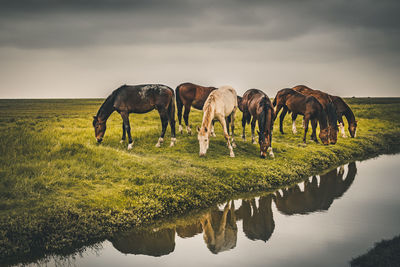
[
  {"x": 232, "y": 155},
  {"x": 130, "y": 146},
  {"x": 213, "y": 135},
  {"x": 122, "y": 140},
  {"x": 234, "y": 145},
  {"x": 173, "y": 141},
  {"x": 254, "y": 142},
  {"x": 272, "y": 155}
]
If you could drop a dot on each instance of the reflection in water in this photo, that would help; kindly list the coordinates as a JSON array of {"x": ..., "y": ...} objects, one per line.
[
  {"x": 220, "y": 230},
  {"x": 219, "y": 225},
  {"x": 314, "y": 197},
  {"x": 151, "y": 242},
  {"x": 258, "y": 222}
]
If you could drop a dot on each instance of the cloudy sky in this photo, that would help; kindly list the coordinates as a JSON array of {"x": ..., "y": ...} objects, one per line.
[{"x": 82, "y": 48}]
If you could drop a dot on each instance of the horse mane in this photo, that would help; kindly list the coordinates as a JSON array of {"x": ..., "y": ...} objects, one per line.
[
  {"x": 265, "y": 105},
  {"x": 332, "y": 115},
  {"x": 348, "y": 113},
  {"x": 108, "y": 105},
  {"x": 208, "y": 108}
]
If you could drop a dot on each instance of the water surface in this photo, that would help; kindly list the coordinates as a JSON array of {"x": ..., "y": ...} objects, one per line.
[{"x": 324, "y": 221}]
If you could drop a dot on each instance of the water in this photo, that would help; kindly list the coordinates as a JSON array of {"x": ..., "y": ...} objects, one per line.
[{"x": 324, "y": 221}]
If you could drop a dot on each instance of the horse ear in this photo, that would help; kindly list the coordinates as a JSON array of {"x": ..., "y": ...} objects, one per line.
[{"x": 198, "y": 129}]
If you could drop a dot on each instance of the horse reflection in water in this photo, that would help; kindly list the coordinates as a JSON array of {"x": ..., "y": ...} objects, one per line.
[
  {"x": 219, "y": 226},
  {"x": 153, "y": 242},
  {"x": 258, "y": 222},
  {"x": 314, "y": 197}
]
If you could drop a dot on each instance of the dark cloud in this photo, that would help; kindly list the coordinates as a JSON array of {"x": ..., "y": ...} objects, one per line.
[{"x": 48, "y": 23}]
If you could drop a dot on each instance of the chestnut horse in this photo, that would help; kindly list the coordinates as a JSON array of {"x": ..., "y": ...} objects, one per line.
[
  {"x": 137, "y": 99},
  {"x": 328, "y": 106},
  {"x": 308, "y": 106},
  {"x": 343, "y": 109},
  {"x": 257, "y": 107},
  {"x": 220, "y": 104},
  {"x": 188, "y": 95}
]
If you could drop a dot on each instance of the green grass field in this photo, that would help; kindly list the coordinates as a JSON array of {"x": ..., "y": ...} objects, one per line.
[{"x": 60, "y": 190}]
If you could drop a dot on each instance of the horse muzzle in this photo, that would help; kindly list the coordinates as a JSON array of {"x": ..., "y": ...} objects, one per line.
[{"x": 99, "y": 140}]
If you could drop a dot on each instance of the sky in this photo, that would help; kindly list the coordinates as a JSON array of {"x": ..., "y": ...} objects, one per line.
[{"x": 84, "y": 49}]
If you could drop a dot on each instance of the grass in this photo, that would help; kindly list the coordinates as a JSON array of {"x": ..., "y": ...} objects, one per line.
[
  {"x": 385, "y": 253},
  {"x": 60, "y": 190}
]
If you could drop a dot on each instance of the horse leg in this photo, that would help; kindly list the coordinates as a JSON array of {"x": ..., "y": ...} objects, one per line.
[
  {"x": 212, "y": 129},
  {"x": 125, "y": 119},
  {"x": 171, "y": 119},
  {"x": 253, "y": 126},
  {"x": 281, "y": 117},
  {"x": 341, "y": 126},
  {"x": 306, "y": 119},
  {"x": 226, "y": 135},
  {"x": 123, "y": 133},
  {"x": 233, "y": 127},
  {"x": 179, "y": 106},
  {"x": 314, "y": 130},
  {"x": 186, "y": 118},
  {"x": 244, "y": 120},
  {"x": 228, "y": 120},
  {"x": 294, "y": 117},
  {"x": 164, "y": 124}
]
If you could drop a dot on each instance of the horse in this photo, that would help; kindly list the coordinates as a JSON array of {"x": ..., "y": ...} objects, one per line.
[
  {"x": 257, "y": 106},
  {"x": 188, "y": 95},
  {"x": 220, "y": 104},
  {"x": 343, "y": 109},
  {"x": 137, "y": 99},
  {"x": 309, "y": 107},
  {"x": 327, "y": 104}
]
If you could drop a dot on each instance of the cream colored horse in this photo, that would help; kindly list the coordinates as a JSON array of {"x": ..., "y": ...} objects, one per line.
[{"x": 220, "y": 104}]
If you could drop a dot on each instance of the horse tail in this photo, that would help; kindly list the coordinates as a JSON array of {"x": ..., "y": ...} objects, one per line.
[{"x": 179, "y": 103}]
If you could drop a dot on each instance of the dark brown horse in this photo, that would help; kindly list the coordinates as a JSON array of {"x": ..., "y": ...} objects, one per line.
[
  {"x": 309, "y": 107},
  {"x": 328, "y": 106},
  {"x": 343, "y": 109},
  {"x": 257, "y": 107},
  {"x": 190, "y": 95},
  {"x": 137, "y": 99}
]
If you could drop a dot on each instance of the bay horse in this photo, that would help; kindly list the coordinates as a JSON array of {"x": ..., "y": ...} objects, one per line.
[
  {"x": 328, "y": 106},
  {"x": 137, "y": 99},
  {"x": 343, "y": 109},
  {"x": 220, "y": 105},
  {"x": 309, "y": 107},
  {"x": 190, "y": 95},
  {"x": 257, "y": 106}
]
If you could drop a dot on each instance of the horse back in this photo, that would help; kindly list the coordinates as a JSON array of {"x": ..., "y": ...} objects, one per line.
[
  {"x": 194, "y": 95},
  {"x": 142, "y": 98},
  {"x": 225, "y": 99}
]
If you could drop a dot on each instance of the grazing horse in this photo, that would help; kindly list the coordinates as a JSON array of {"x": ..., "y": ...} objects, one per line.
[
  {"x": 257, "y": 107},
  {"x": 309, "y": 107},
  {"x": 343, "y": 109},
  {"x": 188, "y": 95},
  {"x": 220, "y": 104},
  {"x": 328, "y": 106},
  {"x": 137, "y": 99}
]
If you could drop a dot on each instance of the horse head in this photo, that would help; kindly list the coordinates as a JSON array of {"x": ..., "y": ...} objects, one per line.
[
  {"x": 353, "y": 129},
  {"x": 99, "y": 129},
  {"x": 324, "y": 136},
  {"x": 204, "y": 139}
]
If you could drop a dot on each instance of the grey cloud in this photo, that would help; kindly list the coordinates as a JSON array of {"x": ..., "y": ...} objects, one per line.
[{"x": 52, "y": 24}]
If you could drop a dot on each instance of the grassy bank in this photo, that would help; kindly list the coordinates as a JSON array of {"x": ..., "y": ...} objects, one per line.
[{"x": 60, "y": 190}]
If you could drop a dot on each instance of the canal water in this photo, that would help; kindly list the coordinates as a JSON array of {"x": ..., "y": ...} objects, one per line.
[{"x": 324, "y": 221}]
